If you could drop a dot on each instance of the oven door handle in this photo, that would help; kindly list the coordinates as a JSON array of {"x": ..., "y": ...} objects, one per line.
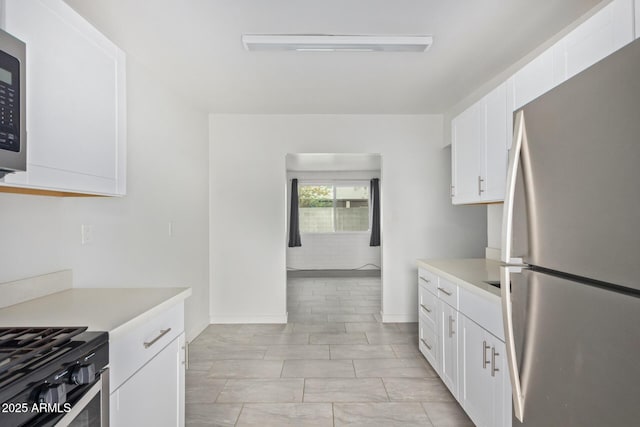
[{"x": 82, "y": 403}]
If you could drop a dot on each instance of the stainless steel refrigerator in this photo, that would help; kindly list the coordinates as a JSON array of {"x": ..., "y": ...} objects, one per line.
[{"x": 572, "y": 219}]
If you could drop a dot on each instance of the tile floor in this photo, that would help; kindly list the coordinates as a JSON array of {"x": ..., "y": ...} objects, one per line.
[{"x": 334, "y": 364}]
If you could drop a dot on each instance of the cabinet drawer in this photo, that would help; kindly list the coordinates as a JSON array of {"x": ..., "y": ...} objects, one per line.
[
  {"x": 428, "y": 342},
  {"x": 427, "y": 303},
  {"x": 129, "y": 351},
  {"x": 485, "y": 312},
  {"x": 428, "y": 280},
  {"x": 448, "y": 292}
]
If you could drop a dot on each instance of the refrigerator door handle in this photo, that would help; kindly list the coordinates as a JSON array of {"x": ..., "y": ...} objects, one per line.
[
  {"x": 512, "y": 361},
  {"x": 519, "y": 135}
]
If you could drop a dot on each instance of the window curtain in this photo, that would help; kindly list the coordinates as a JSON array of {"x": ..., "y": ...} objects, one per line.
[
  {"x": 375, "y": 212},
  {"x": 294, "y": 217}
]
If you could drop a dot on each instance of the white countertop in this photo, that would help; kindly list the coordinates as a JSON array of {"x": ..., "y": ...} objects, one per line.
[
  {"x": 100, "y": 309},
  {"x": 469, "y": 273}
]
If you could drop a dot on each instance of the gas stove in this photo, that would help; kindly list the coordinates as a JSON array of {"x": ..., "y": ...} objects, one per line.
[{"x": 51, "y": 376}]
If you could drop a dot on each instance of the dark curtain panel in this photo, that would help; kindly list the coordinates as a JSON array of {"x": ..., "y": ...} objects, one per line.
[
  {"x": 375, "y": 216},
  {"x": 294, "y": 219}
]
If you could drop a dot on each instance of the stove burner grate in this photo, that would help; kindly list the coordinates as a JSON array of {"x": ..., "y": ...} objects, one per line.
[{"x": 21, "y": 346}]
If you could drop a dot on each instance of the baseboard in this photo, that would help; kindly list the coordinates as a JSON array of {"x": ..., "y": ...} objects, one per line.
[
  {"x": 334, "y": 273},
  {"x": 399, "y": 318},
  {"x": 274, "y": 318}
]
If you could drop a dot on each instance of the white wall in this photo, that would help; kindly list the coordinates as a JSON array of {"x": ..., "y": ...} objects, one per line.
[
  {"x": 167, "y": 175},
  {"x": 247, "y": 170},
  {"x": 334, "y": 251},
  {"x": 494, "y": 226}
]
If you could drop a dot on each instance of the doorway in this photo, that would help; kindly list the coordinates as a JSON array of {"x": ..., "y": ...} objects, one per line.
[{"x": 334, "y": 275}]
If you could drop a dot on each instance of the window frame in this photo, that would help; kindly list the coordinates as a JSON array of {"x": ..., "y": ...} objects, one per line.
[{"x": 334, "y": 184}]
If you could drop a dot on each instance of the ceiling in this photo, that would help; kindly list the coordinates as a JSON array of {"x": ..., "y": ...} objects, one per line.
[{"x": 194, "y": 46}]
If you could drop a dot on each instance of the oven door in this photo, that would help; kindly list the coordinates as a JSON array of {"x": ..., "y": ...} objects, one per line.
[{"x": 92, "y": 409}]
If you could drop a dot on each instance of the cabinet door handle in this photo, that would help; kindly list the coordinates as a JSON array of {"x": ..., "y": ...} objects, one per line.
[
  {"x": 425, "y": 343},
  {"x": 426, "y": 280},
  {"x": 444, "y": 291},
  {"x": 163, "y": 332},
  {"x": 494, "y": 353},
  {"x": 485, "y": 347},
  {"x": 451, "y": 331},
  {"x": 480, "y": 181},
  {"x": 426, "y": 308},
  {"x": 186, "y": 354}
]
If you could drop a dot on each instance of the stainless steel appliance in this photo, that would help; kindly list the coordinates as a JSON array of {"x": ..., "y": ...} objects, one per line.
[
  {"x": 13, "y": 141},
  {"x": 54, "y": 377},
  {"x": 572, "y": 219}
]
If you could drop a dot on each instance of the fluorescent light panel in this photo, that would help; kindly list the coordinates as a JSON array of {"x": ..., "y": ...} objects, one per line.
[{"x": 336, "y": 43}]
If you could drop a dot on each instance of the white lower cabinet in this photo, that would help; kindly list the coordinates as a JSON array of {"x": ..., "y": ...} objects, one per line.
[
  {"x": 147, "y": 371},
  {"x": 154, "y": 396},
  {"x": 428, "y": 343},
  {"x": 469, "y": 359},
  {"x": 448, "y": 335},
  {"x": 483, "y": 382},
  {"x": 428, "y": 313}
]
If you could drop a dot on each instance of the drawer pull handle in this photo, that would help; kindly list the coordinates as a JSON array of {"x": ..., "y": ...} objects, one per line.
[
  {"x": 444, "y": 291},
  {"x": 426, "y": 308},
  {"x": 163, "y": 332},
  {"x": 494, "y": 353},
  {"x": 451, "y": 331},
  {"x": 485, "y": 347},
  {"x": 425, "y": 343},
  {"x": 426, "y": 280}
]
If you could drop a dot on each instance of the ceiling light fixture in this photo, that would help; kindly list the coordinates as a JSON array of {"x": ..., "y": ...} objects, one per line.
[{"x": 336, "y": 43}]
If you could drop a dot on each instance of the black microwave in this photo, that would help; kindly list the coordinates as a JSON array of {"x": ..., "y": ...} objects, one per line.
[{"x": 13, "y": 141}]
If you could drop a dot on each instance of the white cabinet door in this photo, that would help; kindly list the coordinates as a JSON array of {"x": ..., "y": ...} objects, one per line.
[
  {"x": 500, "y": 383},
  {"x": 476, "y": 393},
  {"x": 605, "y": 32},
  {"x": 494, "y": 169},
  {"x": 76, "y": 119},
  {"x": 484, "y": 386},
  {"x": 599, "y": 36},
  {"x": 534, "y": 79},
  {"x": 448, "y": 336},
  {"x": 154, "y": 396},
  {"x": 479, "y": 150},
  {"x": 466, "y": 151},
  {"x": 428, "y": 342}
]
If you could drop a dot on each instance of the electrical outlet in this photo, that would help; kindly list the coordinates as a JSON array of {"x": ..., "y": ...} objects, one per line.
[{"x": 87, "y": 233}]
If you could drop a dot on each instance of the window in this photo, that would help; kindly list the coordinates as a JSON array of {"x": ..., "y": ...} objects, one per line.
[{"x": 329, "y": 208}]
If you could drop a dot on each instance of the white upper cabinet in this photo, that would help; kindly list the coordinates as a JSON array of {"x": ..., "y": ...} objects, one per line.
[
  {"x": 602, "y": 34},
  {"x": 467, "y": 138},
  {"x": 479, "y": 150},
  {"x": 599, "y": 36},
  {"x": 495, "y": 148},
  {"x": 76, "y": 118},
  {"x": 532, "y": 80},
  {"x": 481, "y": 135}
]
